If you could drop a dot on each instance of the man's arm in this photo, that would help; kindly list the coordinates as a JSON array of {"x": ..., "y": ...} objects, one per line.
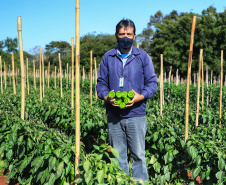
[
  {"x": 150, "y": 78},
  {"x": 102, "y": 86}
]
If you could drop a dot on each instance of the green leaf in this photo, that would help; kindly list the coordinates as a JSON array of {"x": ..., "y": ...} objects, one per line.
[
  {"x": 115, "y": 152},
  {"x": 99, "y": 157},
  {"x": 192, "y": 152},
  {"x": 155, "y": 136},
  {"x": 9, "y": 155},
  {"x": 100, "y": 176},
  {"x": 198, "y": 160},
  {"x": 86, "y": 165},
  {"x": 23, "y": 164},
  {"x": 37, "y": 162},
  {"x": 52, "y": 162},
  {"x": 60, "y": 168},
  {"x": 157, "y": 167},
  {"x": 196, "y": 172},
  {"x": 114, "y": 161},
  {"x": 57, "y": 152},
  {"x": 220, "y": 175},
  {"x": 52, "y": 179},
  {"x": 167, "y": 176},
  {"x": 153, "y": 159},
  {"x": 10, "y": 175},
  {"x": 221, "y": 164},
  {"x": 88, "y": 176}
]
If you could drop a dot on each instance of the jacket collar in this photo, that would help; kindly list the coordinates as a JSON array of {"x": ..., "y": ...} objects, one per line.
[{"x": 135, "y": 51}]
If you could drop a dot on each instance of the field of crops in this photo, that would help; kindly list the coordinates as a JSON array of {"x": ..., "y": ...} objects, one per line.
[{"x": 41, "y": 149}]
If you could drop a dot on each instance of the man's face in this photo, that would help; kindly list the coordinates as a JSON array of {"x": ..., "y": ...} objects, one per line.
[{"x": 126, "y": 32}]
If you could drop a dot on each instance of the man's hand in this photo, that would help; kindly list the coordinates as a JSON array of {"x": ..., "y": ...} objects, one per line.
[
  {"x": 110, "y": 100},
  {"x": 137, "y": 97}
]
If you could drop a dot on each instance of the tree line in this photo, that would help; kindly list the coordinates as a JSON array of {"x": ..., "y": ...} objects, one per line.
[{"x": 165, "y": 34}]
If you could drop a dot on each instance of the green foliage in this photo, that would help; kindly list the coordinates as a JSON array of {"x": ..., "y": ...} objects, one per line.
[
  {"x": 170, "y": 35},
  {"x": 41, "y": 149}
]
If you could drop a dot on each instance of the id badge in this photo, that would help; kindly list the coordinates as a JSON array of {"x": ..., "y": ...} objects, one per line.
[{"x": 121, "y": 82}]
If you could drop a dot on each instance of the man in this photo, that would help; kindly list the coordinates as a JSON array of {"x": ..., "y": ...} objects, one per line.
[{"x": 127, "y": 68}]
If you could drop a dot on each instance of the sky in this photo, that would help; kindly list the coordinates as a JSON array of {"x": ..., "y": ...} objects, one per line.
[{"x": 44, "y": 21}]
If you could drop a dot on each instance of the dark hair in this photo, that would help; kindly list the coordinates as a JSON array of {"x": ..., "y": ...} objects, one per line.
[{"x": 125, "y": 23}]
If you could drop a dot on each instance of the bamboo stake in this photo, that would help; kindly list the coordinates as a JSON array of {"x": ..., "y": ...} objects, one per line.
[
  {"x": 48, "y": 73},
  {"x": 5, "y": 75},
  {"x": 207, "y": 84},
  {"x": 34, "y": 74},
  {"x": 40, "y": 73},
  {"x": 95, "y": 66},
  {"x": 202, "y": 85},
  {"x": 27, "y": 78},
  {"x": 91, "y": 75},
  {"x": 221, "y": 85},
  {"x": 161, "y": 85},
  {"x": 9, "y": 74},
  {"x": 177, "y": 78},
  {"x": 138, "y": 46},
  {"x": 61, "y": 91},
  {"x": 170, "y": 74},
  {"x": 43, "y": 77},
  {"x": 77, "y": 115},
  {"x": 72, "y": 72},
  {"x": 189, "y": 78},
  {"x": 14, "y": 85},
  {"x": 1, "y": 74},
  {"x": 211, "y": 76},
  {"x": 55, "y": 79},
  {"x": 198, "y": 88},
  {"x": 22, "y": 68},
  {"x": 67, "y": 77}
]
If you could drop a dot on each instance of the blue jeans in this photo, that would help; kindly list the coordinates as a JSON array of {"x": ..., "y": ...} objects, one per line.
[{"x": 129, "y": 133}]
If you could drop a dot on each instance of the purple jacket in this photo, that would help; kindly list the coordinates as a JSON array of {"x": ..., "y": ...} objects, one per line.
[{"x": 138, "y": 74}]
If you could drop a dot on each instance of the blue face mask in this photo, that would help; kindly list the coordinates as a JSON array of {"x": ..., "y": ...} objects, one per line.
[{"x": 125, "y": 43}]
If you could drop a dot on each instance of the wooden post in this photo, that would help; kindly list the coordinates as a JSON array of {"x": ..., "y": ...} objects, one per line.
[
  {"x": 77, "y": 102},
  {"x": 43, "y": 77},
  {"x": 1, "y": 74},
  {"x": 95, "y": 65},
  {"x": 207, "y": 84},
  {"x": 198, "y": 88},
  {"x": 67, "y": 77},
  {"x": 14, "y": 85},
  {"x": 40, "y": 73},
  {"x": 161, "y": 85},
  {"x": 189, "y": 78},
  {"x": 22, "y": 68},
  {"x": 177, "y": 77},
  {"x": 61, "y": 91},
  {"x": 34, "y": 74},
  {"x": 202, "y": 85},
  {"x": 27, "y": 78},
  {"x": 55, "y": 79},
  {"x": 138, "y": 45},
  {"x": 221, "y": 85},
  {"x": 48, "y": 73},
  {"x": 170, "y": 74},
  {"x": 9, "y": 74},
  {"x": 72, "y": 72},
  {"x": 5, "y": 75},
  {"x": 91, "y": 75}
]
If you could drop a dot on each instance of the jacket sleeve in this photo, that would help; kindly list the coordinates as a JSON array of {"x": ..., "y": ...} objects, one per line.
[
  {"x": 102, "y": 86},
  {"x": 150, "y": 78}
]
